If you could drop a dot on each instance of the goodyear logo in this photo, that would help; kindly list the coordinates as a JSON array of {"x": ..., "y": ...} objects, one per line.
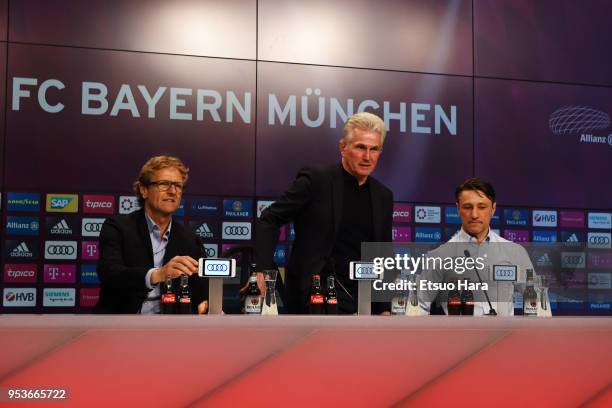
[
  {"x": 62, "y": 203},
  {"x": 23, "y": 201}
]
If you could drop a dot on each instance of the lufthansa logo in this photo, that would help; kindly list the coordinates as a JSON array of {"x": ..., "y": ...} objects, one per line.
[
  {"x": 210, "y": 252},
  {"x": 573, "y": 260},
  {"x": 216, "y": 268},
  {"x": 230, "y": 230},
  {"x": 599, "y": 240},
  {"x": 92, "y": 227},
  {"x": 60, "y": 250}
]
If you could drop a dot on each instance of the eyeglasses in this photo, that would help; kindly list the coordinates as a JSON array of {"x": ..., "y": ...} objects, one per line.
[{"x": 164, "y": 185}]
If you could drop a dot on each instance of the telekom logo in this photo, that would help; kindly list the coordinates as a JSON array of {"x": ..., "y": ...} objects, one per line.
[{"x": 92, "y": 250}]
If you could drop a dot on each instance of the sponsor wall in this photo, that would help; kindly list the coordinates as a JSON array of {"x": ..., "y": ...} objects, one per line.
[{"x": 247, "y": 92}]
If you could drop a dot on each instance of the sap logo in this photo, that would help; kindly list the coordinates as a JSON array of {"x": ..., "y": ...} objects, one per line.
[
  {"x": 19, "y": 297},
  {"x": 544, "y": 218},
  {"x": 62, "y": 203}
]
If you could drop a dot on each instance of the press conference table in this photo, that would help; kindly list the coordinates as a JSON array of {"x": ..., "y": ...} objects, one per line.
[{"x": 289, "y": 361}]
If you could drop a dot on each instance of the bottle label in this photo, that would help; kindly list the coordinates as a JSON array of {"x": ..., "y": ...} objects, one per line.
[
  {"x": 168, "y": 298},
  {"x": 398, "y": 306},
  {"x": 332, "y": 301},
  {"x": 530, "y": 308},
  {"x": 252, "y": 305},
  {"x": 316, "y": 299},
  {"x": 185, "y": 299}
]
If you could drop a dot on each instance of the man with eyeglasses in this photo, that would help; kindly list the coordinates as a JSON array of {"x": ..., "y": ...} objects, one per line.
[
  {"x": 334, "y": 209},
  {"x": 140, "y": 250}
]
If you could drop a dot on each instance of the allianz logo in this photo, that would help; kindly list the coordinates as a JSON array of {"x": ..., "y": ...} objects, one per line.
[{"x": 22, "y": 225}]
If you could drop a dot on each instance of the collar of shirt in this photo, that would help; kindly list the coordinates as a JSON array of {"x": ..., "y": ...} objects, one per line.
[
  {"x": 349, "y": 178},
  {"x": 155, "y": 231},
  {"x": 462, "y": 236}
]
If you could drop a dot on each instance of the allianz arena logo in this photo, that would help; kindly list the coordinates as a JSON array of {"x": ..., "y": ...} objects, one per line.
[{"x": 582, "y": 121}]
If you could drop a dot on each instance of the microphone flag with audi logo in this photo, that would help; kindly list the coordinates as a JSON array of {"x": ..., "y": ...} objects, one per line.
[{"x": 91, "y": 227}]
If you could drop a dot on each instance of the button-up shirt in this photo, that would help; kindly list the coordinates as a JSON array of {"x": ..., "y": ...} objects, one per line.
[{"x": 159, "y": 244}]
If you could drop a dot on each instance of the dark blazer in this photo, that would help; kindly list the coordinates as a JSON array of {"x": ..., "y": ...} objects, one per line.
[
  {"x": 126, "y": 255},
  {"x": 314, "y": 204}
]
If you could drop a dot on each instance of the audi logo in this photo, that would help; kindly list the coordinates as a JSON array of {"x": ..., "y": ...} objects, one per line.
[
  {"x": 573, "y": 260},
  {"x": 210, "y": 252},
  {"x": 365, "y": 269},
  {"x": 91, "y": 227},
  {"x": 230, "y": 230},
  {"x": 216, "y": 268},
  {"x": 60, "y": 250},
  {"x": 599, "y": 240}
]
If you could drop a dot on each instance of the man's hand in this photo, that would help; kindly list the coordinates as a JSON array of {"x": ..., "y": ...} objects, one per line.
[
  {"x": 177, "y": 266},
  {"x": 261, "y": 284},
  {"x": 203, "y": 307}
]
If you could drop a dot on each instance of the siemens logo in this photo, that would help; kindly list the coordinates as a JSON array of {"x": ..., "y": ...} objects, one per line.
[
  {"x": 600, "y": 220},
  {"x": 59, "y": 297}
]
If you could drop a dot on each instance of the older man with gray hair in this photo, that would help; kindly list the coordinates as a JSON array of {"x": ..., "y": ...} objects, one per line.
[{"x": 334, "y": 209}]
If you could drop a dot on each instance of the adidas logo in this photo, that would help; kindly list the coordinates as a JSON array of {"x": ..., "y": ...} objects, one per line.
[
  {"x": 204, "y": 231},
  {"x": 544, "y": 260},
  {"x": 21, "y": 251},
  {"x": 572, "y": 238},
  {"x": 61, "y": 228}
]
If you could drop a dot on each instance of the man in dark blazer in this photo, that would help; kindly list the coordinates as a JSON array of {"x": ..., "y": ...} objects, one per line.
[
  {"x": 334, "y": 209},
  {"x": 140, "y": 250}
]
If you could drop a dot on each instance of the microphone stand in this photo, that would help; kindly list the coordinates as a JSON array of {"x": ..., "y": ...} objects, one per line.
[{"x": 492, "y": 311}]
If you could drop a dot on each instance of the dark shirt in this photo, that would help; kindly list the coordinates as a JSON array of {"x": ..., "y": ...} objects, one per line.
[{"x": 355, "y": 227}]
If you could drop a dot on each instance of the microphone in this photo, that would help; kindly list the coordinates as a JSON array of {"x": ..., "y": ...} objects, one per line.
[{"x": 492, "y": 311}]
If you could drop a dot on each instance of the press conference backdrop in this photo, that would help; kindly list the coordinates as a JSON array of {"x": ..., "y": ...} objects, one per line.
[{"x": 246, "y": 92}]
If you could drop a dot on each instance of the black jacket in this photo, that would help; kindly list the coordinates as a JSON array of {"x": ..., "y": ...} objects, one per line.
[
  {"x": 314, "y": 204},
  {"x": 126, "y": 255}
]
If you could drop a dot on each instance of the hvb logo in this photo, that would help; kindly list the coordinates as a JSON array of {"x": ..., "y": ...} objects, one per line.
[
  {"x": 19, "y": 297},
  {"x": 544, "y": 218},
  {"x": 68, "y": 203}
]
